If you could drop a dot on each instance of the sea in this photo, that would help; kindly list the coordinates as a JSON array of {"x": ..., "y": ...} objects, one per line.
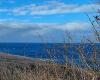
[{"x": 57, "y": 52}]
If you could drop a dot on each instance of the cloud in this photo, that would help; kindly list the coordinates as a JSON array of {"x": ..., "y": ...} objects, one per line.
[
  {"x": 54, "y": 8},
  {"x": 16, "y": 31},
  {"x": 71, "y": 26},
  {"x": 51, "y": 7},
  {"x": 63, "y": 26}
]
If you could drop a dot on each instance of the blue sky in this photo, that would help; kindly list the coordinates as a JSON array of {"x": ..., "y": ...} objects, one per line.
[{"x": 45, "y": 20}]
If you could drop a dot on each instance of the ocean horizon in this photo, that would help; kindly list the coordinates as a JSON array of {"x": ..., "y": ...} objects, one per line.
[{"x": 49, "y": 51}]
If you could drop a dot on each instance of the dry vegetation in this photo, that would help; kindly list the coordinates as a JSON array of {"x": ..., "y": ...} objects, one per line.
[
  {"x": 23, "y": 69},
  {"x": 42, "y": 71}
]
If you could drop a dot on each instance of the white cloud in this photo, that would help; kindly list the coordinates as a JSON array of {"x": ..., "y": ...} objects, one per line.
[
  {"x": 87, "y": 8},
  {"x": 31, "y": 31},
  {"x": 74, "y": 26},
  {"x": 71, "y": 26},
  {"x": 54, "y": 8}
]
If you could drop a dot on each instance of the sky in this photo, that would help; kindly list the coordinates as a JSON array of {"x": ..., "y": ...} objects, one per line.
[{"x": 50, "y": 21}]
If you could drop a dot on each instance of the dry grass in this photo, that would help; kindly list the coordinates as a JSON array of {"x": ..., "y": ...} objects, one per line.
[{"x": 42, "y": 71}]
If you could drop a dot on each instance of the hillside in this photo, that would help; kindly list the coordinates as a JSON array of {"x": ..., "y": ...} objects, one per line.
[{"x": 18, "y": 68}]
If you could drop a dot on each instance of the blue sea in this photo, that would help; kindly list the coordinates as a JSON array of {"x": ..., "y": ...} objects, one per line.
[{"x": 51, "y": 51}]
